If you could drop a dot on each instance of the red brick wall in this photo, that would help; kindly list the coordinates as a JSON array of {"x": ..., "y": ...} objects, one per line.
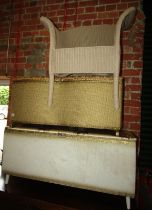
[{"x": 33, "y": 47}]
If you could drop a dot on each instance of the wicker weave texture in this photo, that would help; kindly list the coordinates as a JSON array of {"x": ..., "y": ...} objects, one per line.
[
  {"x": 85, "y": 55},
  {"x": 76, "y": 103}
]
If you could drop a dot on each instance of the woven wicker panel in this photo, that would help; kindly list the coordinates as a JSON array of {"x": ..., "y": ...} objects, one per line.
[{"x": 77, "y": 102}]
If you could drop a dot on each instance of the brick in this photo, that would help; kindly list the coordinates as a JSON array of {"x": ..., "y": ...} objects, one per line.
[
  {"x": 88, "y": 3},
  {"x": 132, "y": 56},
  {"x": 102, "y": 15},
  {"x": 26, "y": 34},
  {"x": 2, "y": 66},
  {"x": 25, "y": 16},
  {"x": 131, "y": 118},
  {"x": 77, "y": 23},
  {"x": 43, "y": 33},
  {"x": 128, "y": 64},
  {"x": 138, "y": 64},
  {"x": 68, "y": 18},
  {"x": 38, "y": 39},
  {"x": 128, "y": 49},
  {"x": 89, "y": 9},
  {"x": 132, "y": 103},
  {"x": 126, "y": 125},
  {"x": 130, "y": 72},
  {"x": 46, "y": 39},
  {"x": 18, "y": 5},
  {"x": 136, "y": 80},
  {"x": 72, "y": 5},
  {"x": 40, "y": 66},
  {"x": 100, "y": 8},
  {"x": 87, "y": 16},
  {"x": 20, "y": 66},
  {"x": 135, "y": 111},
  {"x": 33, "y": 9},
  {"x": 135, "y": 126},
  {"x": 136, "y": 96},
  {"x": 108, "y": 1},
  {"x": 28, "y": 28},
  {"x": 51, "y": 14},
  {"x": 133, "y": 87},
  {"x": 3, "y": 59},
  {"x": 52, "y": 7},
  {"x": 129, "y": 1},
  {"x": 108, "y": 21},
  {"x": 35, "y": 33},
  {"x": 19, "y": 11},
  {"x": 133, "y": 4},
  {"x": 97, "y": 22},
  {"x": 32, "y": 3},
  {"x": 127, "y": 110},
  {"x": 140, "y": 15},
  {"x": 138, "y": 48},
  {"x": 127, "y": 95},
  {"x": 53, "y": 1},
  {"x": 71, "y": 11},
  {"x": 68, "y": 25},
  {"x": 112, "y": 14},
  {"x": 32, "y": 22},
  {"x": 28, "y": 66},
  {"x": 122, "y": 6},
  {"x": 27, "y": 52},
  {"x": 111, "y": 7},
  {"x": 86, "y": 23},
  {"x": 43, "y": 14},
  {"x": 2, "y": 54},
  {"x": 19, "y": 60},
  {"x": 133, "y": 80},
  {"x": 80, "y": 10}
]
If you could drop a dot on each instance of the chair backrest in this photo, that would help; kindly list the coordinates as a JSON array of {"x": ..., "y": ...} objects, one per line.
[{"x": 85, "y": 36}]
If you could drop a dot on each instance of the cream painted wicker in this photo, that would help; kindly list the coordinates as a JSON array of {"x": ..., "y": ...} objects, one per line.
[
  {"x": 90, "y": 161},
  {"x": 77, "y": 101},
  {"x": 87, "y": 49}
]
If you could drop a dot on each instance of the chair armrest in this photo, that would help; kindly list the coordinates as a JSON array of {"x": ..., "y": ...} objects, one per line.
[
  {"x": 124, "y": 22},
  {"x": 50, "y": 26}
]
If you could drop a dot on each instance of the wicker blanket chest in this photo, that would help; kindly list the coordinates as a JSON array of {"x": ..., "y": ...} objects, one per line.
[
  {"x": 99, "y": 162},
  {"x": 77, "y": 101}
]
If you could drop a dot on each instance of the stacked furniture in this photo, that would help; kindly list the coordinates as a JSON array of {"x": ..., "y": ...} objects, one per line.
[{"x": 67, "y": 127}]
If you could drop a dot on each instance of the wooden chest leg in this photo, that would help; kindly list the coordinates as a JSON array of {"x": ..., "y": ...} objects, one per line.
[
  {"x": 128, "y": 203},
  {"x": 7, "y": 178}
]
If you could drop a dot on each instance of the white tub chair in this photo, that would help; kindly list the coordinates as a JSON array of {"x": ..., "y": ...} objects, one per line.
[{"x": 87, "y": 49}]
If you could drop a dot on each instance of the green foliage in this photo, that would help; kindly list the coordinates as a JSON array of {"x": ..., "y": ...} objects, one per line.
[{"x": 4, "y": 95}]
